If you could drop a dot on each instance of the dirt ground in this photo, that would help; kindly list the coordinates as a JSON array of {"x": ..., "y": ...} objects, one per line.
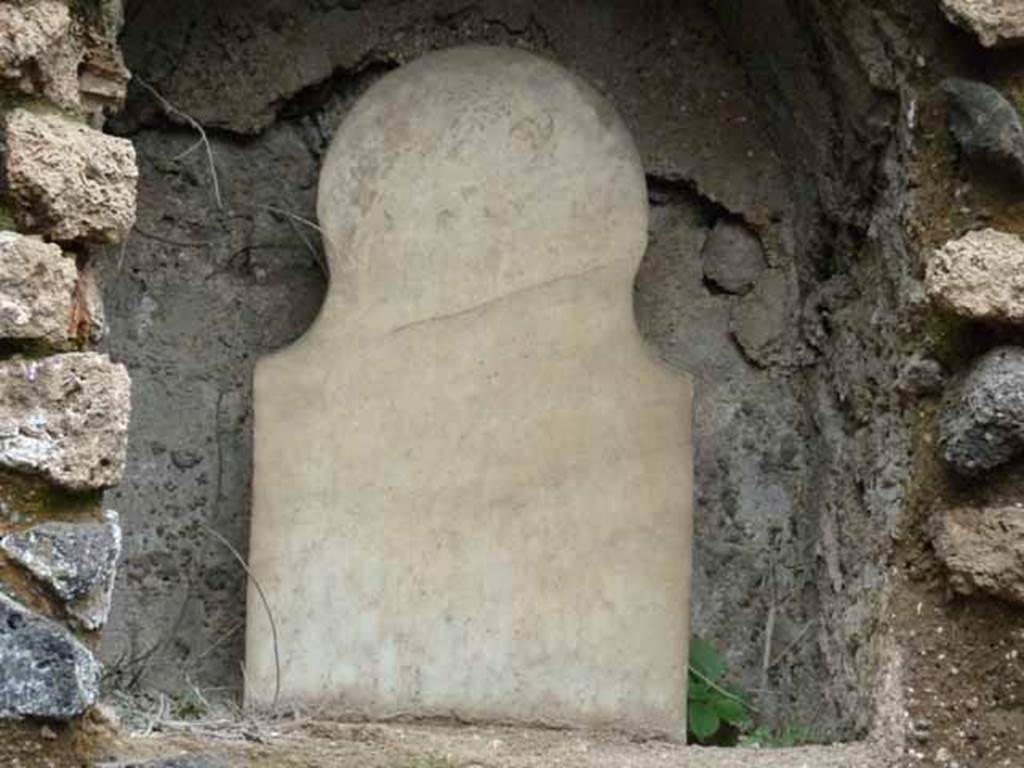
[
  {"x": 322, "y": 744},
  {"x": 965, "y": 680}
]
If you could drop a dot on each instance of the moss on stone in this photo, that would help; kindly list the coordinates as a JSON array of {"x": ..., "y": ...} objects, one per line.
[
  {"x": 28, "y": 500},
  {"x": 7, "y": 220},
  {"x": 947, "y": 338}
]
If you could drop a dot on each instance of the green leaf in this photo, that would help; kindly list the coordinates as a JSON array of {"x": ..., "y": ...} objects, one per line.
[
  {"x": 704, "y": 723},
  {"x": 731, "y": 711},
  {"x": 706, "y": 659},
  {"x": 698, "y": 690}
]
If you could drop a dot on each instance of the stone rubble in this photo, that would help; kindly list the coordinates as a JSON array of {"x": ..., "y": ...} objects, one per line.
[
  {"x": 88, "y": 315},
  {"x": 44, "y": 671},
  {"x": 979, "y": 277},
  {"x": 983, "y": 550},
  {"x": 986, "y": 126},
  {"x": 920, "y": 375},
  {"x": 77, "y": 561},
  {"x": 733, "y": 257},
  {"x": 65, "y": 417},
  {"x": 102, "y": 77},
  {"x": 982, "y": 422},
  {"x": 761, "y": 320},
  {"x": 995, "y": 22},
  {"x": 37, "y": 286},
  {"x": 70, "y": 182}
]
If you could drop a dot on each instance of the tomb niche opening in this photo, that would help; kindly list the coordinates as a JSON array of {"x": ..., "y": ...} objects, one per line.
[{"x": 472, "y": 485}]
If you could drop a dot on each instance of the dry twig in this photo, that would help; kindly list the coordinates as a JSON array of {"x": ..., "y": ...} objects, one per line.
[
  {"x": 195, "y": 125},
  {"x": 729, "y": 695},
  {"x": 294, "y": 219},
  {"x": 266, "y": 606}
]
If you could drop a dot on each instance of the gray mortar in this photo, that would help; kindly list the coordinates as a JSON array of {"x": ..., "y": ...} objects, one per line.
[
  {"x": 801, "y": 465},
  {"x": 192, "y": 301}
]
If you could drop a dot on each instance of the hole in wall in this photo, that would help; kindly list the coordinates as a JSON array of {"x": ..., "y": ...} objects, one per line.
[{"x": 203, "y": 288}]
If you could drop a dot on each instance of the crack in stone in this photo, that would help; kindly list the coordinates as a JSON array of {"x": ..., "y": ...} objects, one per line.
[{"x": 499, "y": 299}]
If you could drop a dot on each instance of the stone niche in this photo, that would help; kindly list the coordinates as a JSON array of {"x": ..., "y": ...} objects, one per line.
[{"x": 472, "y": 490}]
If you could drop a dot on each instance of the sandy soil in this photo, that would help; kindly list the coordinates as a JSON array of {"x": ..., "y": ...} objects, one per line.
[{"x": 321, "y": 744}]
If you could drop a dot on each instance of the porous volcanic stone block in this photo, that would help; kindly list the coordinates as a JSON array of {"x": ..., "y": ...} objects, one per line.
[
  {"x": 995, "y": 22},
  {"x": 65, "y": 417},
  {"x": 986, "y": 126},
  {"x": 979, "y": 277},
  {"x": 983, "y": 550},
  {"x": 982, "y": 423},
  {"x": 44, "y": 671},
  {"x": 37, "y": 53},
  {"x": 37, "y": 287},
  {"x": 75, "y": 65},
  {"x": 71, "y": 182},
  {"x": 77, "y": 561}
]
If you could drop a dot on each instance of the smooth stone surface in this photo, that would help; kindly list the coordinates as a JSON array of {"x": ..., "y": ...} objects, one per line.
[
  {"x": 37, "y": 287},
  {"x": 979, "y": 276},
  {"x": 982, "y": 422},
  {"x": 65, "y": 417},
  {"x": 44, "y": 671},
  {"x": 77, "y": 561},
  {"x": 472, "y": 480}
]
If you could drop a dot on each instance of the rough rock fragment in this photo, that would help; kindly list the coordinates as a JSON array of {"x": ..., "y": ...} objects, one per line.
[
  {"x": 986, "y": 126},
  {"x": 88, "y": 315},
  {"x": 761, "y": 321},
  {"x": 982, "y": 423},
  {"x": 980, "y": 276},
  {"x": 102, "y": 76},
  {"x": 70, "y": 181},
  {"x": 65, "y": 417},
  {"x": 920, "y": 375},
  {"x": 995, "y": 22},
  {"x": 75, "y": 66},
  {"x": 733, "y": 257},
  {"x": 44, "y": 671},
  {"x": 37, "y": 54},
  {"x": 37, "y": 286},
  {"x": 983, "y": 550},
  {"x": 78, "y": 561}
]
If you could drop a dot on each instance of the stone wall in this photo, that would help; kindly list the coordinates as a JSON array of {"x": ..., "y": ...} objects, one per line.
[
  {"x": 835, "y": 193},
  {"x": 64, "y": 409}
]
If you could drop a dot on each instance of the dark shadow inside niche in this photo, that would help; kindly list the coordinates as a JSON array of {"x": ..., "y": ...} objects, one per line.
[{"x": 223, "y": 268}]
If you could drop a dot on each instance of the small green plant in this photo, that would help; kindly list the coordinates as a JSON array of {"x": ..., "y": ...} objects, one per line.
[
  {"x": 786, "y": 736},
  {"x": 717, "y": 711},
  {"x": 190, "y": 705}
]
